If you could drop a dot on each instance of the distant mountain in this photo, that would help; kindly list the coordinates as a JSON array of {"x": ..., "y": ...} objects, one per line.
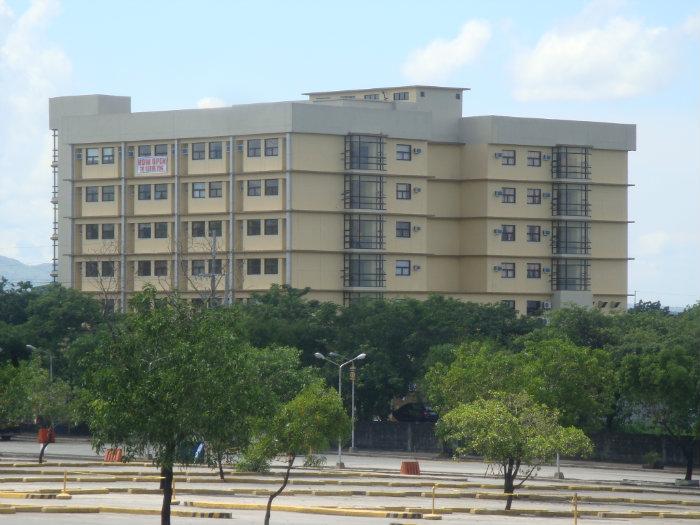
[{"x": 14, "y": 271}]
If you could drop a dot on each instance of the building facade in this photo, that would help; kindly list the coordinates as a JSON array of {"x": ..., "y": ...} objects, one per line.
[{"x": 380, "y": 192}]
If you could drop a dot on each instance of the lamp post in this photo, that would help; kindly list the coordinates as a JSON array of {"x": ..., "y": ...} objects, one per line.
[
  {"x": 319, "y": 355},
  {"x": 35, "y": 349}
]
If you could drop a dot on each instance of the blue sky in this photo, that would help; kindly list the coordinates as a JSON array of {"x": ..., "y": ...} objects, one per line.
[{"x": 621, "y": 61}]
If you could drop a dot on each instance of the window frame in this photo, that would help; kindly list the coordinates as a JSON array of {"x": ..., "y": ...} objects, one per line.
[
  {"x": 218, "y": 226},
  {"x": 108, "y": 158},
  {"x": 534, "y": 270},
  {"x": 401, "y": 95},
  {"x": 157, "y": 230},
  {"x": 216, "y": 150},
  {"x": 405, "y": 193},
  {"x": 534, "y": 161},
  {"x": 506, "y": 157},
  {"x": 214, "y": 191},
  {"x": 251, "y": 188},
  {"x": 156, "y": 151},
  {"x": 144, "y": 230},
  {"x": 89, "y": 272},
  {"x": 140, "y": 193},
  {"x": 94, "y": 229},
  {"x": 143, "y": 152},
  {"x": 196, "y": 263},
  {"x": 508, "y": 232},
  {"x": 109, "y": 193},
  {"x": 404, "y": 155},
  {"x": 158, "y": 193},
  {"x": 92, "y": 194},
  {"x": 268, "y": 231},
  {"x": 253, "y": 148},
  {"x": 269, "y": 186},
  {"x": 507, "y": 270},
  {"x": 269, "y": 261},
  {"x": 199, "y": 151},
  {"x": 94, "y": 159},
  {"x": 158, "y": 268},
  {"x": 508, "y": 195},
  {"x": 109, "y": 236},
  {"x": 199, "y": 190},
  {"x": 250, "y": 229},
  {"x": 195, "y": 229},
  {"x": 107, "y": 268},
  {"x": 534, "y": 196},
  {"x": 402, "y": 268},
  {"x": 251, "y": 265},
  {"x": 272, "y": 150},
  {"x": 534, "y": 233},
  {"x": 141, "y": 267},
  {"x": 403, "y": 231}
]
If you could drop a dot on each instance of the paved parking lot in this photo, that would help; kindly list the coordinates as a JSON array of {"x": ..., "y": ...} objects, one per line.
[{"x": 370, "y": 483}]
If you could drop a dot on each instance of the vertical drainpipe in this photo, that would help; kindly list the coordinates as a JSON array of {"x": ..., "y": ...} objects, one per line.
[
  {"x": 176, "y": 228},
  {"x": 231, "y": 281},
  {"x": 122, "y": 239},
  {"x": 288, "y": 208},
  {"x": 72, "y": 208}
]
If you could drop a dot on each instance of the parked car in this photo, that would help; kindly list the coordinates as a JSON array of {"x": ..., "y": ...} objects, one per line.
[{"x": 415, "y": 412}]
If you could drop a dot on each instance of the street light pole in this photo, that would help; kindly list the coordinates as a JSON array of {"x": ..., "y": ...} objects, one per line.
[
  {"x": 353, "y": 371},
  {"x": 319, "y": 355}
]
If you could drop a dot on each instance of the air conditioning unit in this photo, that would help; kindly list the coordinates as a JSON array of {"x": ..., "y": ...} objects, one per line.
[
  {"x": 497, "y": 269},
  {"x": 416, "y": 190},
  {"x": 416, "y": 228},
  {"x": 498, "y": 231},
  {"x": 416, "y": 267},
  {"x": 546, "y": 157},
  {"x": 546, "y": 305},
  {"x": 498, "y": 154},
  {"x": 545, "y": 232},
  {"x": 498, "y": 193},
  {"x": 546, "y": 195},
  {"x": 417, "y": 151},
  {"x": 546, "y": 270}
]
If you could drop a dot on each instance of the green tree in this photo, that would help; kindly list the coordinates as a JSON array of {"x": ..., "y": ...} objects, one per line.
[
  {"x": 513, "y": 432},
  {"x": 306, "y": 423}
]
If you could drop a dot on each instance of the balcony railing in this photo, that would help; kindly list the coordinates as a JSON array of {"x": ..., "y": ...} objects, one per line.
[
  {"x": 364, "y": 271},
  {"x": 364, "y": 192},
  {"x": 571, "y": 238},
  {"x": 571, "y": 162},
  {"x": 570, "y": 200},
  {"x": 571, "y": 274},
  {"x": 364, "y": 152},
  {"x": 364, "y": 232}
]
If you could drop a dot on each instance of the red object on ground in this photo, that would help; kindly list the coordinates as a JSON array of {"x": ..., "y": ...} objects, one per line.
[
  {"x": 46, "y": 435},
  {"x": 411, "y": 468},
  {"x": 113, "y": 455}
]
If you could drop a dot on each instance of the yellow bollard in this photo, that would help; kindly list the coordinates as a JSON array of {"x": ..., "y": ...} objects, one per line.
[
  {"x": 575, "y": 502},
  {"x": 433, "y": 499},
  {"x": 64, "y": 493}
]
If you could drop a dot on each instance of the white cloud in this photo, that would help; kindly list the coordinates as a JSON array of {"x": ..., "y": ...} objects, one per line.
[
  {"x": 31, "y": 71},
  {"x": 691, "y": 26},
  {"x": 210, "y": 102},
  {"x": 655, "y": 243},
  {"x": 615, "y": 58},
  {"x": 440, "y": 58}
]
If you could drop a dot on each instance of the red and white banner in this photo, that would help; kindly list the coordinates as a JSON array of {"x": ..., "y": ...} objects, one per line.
[{"x": 151, "y": 165}]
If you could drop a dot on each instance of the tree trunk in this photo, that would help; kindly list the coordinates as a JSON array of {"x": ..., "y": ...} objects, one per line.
[
  {"x": 41, "y": 452},
  {"x": 290, "y": 462},
  {"x": 508, "y": 483},
  {"x": 689, "y": 456},
  {"x": 166, "y": 484},
  {"x": 219, "y": 461}
]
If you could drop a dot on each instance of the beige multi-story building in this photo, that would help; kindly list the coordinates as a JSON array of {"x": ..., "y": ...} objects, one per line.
[{"x": 377, "y": 192}]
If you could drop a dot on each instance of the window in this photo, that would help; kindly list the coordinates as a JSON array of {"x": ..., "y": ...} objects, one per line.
[
  {"x": 534, "y": 196},
  {"x": 364, "y": 231},
  {"x": 272, "y": 187},
  {"x": 160, "y": 268},
  {"x": 508, "y": 270},
  {"x": 534, "y": 307},
  {"x": 271, "y": 266},
  {"x": 107, "y": 231},
  {"x": 403, "y": 268},
  {"x": 107, "y": 268},
  {"x": 364, "y": 270},
  {"x": 401, "y": 95},
  {"x": 160, "y": 192},
  {"x": 107, "y": 155},
  {"x": 198, "y": 151},
  {"x": 508, "y": 157},
  {"x": 533, "y": 233},
  {"x": 91, "y": 194},
  {"x": 161, "y": 150},
  {"x": 254, "y": 188},
  {"x": 508, "y": 195},
  {"x": 216, "y": 268},
  {"x": 364, "y": 152},
  {"x": 91, "y": 269},
  {"x": 199, "y": 190},
  {"x": 215, "y": 229},
  {"x": 197, "y": 228},
  {"x": 215, "y": 190},
  {"x": 534, "y": 158},
  {"x": 508, "y": 303},
  {"x": 534, "y": 270},
  {"x": 508, "y": 232},
  {"x": 403, "y": 152},
  {"x": 403, "y": 229},
  {"x": 253, "y": 226},
  {"x": 144, "y": 230},
  {"x": 272, "y": 148},
  {"x": 253, "y": 266},
  {"x": 92, "y": 231},
  {"x": 145, "y": 150},
  {"x": 92, "y": 156},
  {"x": 215, "y": 150},
  {"x": 254, "y": 148},
  {"x": 403, "y": 191},
  {"x": 107, "y": 193},
  {"x": 198, "y": 267},
  {"x": 161, "y": 230},
  {"x": 144, "y": 192},
  {"x": 271, "y": 227},
  {"x": 143, "y": 268},
  {"x": 372, "y": 96}
]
